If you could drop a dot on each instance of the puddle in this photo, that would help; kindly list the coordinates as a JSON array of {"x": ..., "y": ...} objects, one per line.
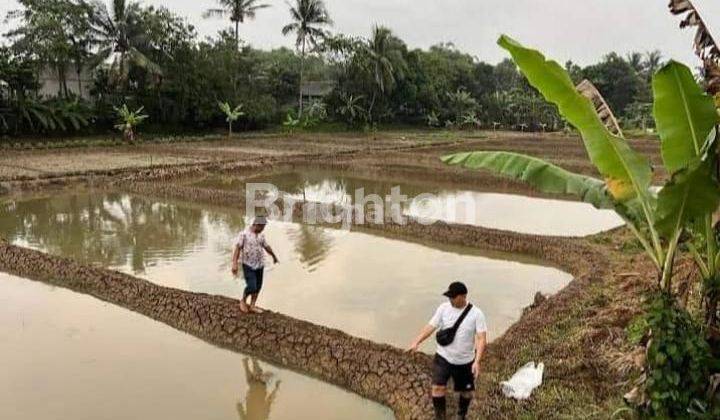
[
  {"x": 65, "y": 355},
  {"x": 366, "y": 285},
  {"x": 511, "y": 212}
]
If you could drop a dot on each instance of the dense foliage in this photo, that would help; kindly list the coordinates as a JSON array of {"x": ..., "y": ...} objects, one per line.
[
  {"x": 146, "y": 56},
  {"x": 679, "y": 363},
  {"x": 680, "y": 373}
]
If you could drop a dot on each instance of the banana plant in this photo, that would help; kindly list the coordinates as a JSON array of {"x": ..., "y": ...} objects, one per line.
[
  {"x": 129, "y": 120},
  {"x": 231, "y": 114},
  {"x": 685, "y": 118}
]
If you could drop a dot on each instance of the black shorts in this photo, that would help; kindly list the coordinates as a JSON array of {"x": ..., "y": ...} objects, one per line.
[{"x": 461, "y": 375}]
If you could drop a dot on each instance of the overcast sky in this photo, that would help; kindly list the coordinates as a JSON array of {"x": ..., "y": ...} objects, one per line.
[{"x": 581, "y": 30}]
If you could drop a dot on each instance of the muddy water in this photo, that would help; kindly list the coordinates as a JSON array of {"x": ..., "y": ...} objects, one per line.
[
  {"x": 369, "y": 286},
  {"x": 501, "y": 211},
  {"x": 69, "y": 356}
]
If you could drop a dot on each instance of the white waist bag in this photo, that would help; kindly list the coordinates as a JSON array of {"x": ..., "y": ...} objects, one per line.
[{"x": 524, "y": 381}]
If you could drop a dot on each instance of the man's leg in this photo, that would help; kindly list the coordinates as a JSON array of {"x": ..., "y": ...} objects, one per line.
[
  {"x": 250, "y": 287},
  {"x": 465, "y": 386},
  {"x": 258, "y": 286},
  {"x": 464, "y": 404},
  {"x": 441, "y": 374},
  {"x": 439, "y": 401}
]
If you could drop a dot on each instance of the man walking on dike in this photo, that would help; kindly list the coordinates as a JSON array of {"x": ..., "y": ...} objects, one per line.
[
  {"x": 461, "y": 341},
  {"x": 249, "y": 248}
]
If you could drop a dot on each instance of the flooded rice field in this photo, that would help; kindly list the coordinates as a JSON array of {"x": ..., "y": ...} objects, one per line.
[
  {"x": 65, "y": 355},
  {"x": 437, "y": 201},
  {"x": 366, "y": 285}
]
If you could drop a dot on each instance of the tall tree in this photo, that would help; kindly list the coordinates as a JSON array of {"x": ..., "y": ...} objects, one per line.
[
  {"x": 616, "y": 80},
  {"x": 308, "y": 19},
  {"x": 653, "y": 62},
  {"x": 56, "y": 32},
  {"x": 385, "y": 60},
  {"x": 121, "y": 38},
  {"x": 238, "y": 10},
  {"x": 635, "y": 59}
]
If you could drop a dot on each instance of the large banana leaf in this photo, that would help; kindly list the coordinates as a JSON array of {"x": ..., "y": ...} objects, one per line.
[
  {"x": 627, "y": 173},
  {"x": 691, "y": 194},
  {"x": 538, "y": 173},
  {"x": 684, "y": 115}
]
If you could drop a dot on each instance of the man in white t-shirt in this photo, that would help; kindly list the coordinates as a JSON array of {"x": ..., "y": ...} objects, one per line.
[{"x": 460, "y": 359}]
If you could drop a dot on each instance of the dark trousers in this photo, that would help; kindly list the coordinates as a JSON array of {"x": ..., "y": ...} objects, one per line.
[{"x": 253, "y": 280}]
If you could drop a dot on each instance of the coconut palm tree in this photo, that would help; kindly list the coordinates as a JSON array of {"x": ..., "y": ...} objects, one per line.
[
  {"x": 238, "y": 10},
  {"x": 653, "y": 62},
  {"x": 635, "y": 59},
  {"x": 308, "y": 19},
  {"x": 385, "y": 61},
  {"x": 120, "y": 38}
]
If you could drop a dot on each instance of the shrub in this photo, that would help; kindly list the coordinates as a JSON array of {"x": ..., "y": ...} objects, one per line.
[{"x": 678, "y": 362}]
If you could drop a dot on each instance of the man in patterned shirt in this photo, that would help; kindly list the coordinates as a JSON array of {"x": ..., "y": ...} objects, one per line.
[{"x": 250, "y": 248}]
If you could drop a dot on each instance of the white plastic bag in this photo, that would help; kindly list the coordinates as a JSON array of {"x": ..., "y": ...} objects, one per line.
[{"x": 524, "y": 381}]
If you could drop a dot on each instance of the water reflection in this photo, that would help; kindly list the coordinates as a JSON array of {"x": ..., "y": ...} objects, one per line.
[
  {"x": 109, "y": 229},
  {"x": 312, "y": 244},
  {"x": 258, "y": 401},
  {"x": 494, "y": 210},
  {"x": 118, "y": 230},
  {"x": 112, "y": 229}
]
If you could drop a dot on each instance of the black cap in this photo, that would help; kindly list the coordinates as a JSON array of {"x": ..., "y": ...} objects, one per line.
[{"x": 455, "y": 289}]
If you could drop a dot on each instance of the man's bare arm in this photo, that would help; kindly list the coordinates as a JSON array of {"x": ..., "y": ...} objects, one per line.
[
  {"x": 480, "y": 343},
  {"x": 272, "y": 254},
  {"x": 424, "y": 334},
  {"x": 235, "y": 260}
]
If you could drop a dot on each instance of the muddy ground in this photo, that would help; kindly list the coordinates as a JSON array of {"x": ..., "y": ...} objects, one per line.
[{"x": 579, "y": 333}]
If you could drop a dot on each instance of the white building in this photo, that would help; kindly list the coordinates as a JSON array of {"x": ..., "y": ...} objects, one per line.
[{"x": 79, "y": 86}]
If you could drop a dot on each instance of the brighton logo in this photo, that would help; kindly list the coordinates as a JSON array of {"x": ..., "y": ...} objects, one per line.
[{"x": 346, "y": 209}]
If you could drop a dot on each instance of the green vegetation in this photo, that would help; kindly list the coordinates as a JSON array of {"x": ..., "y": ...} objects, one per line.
[
  {"x": 124, "y": 52},
  {"x": 679, "y": 215},
  {"x": 128, "y": 121},
  {"x": 231, "y": 114}
]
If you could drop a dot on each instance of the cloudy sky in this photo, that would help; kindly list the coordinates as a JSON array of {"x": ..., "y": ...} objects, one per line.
[{"x": 581, "y": 30}]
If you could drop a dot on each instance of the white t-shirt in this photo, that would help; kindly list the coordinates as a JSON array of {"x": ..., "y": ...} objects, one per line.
[{"x": 462, "y": 350}]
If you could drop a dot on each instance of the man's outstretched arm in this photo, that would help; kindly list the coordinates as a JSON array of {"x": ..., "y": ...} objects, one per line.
[
  {"x": 424, "y": 334},
  {"x": 272, "y": 253}
]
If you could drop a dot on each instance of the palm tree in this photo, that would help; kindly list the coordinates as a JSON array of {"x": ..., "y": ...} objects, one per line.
[
  {"x": 238, "y": 10},
  {"x": 119, "y": 37},
  {"x": 635, "y": 59},
  {"x": 308, "y": 18},
  {"x": 385, "y": 62},
  {"x": 653, "y": 61}
]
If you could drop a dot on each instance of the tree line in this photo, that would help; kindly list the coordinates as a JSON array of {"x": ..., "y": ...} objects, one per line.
[{"x": 149, "y": 57}]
